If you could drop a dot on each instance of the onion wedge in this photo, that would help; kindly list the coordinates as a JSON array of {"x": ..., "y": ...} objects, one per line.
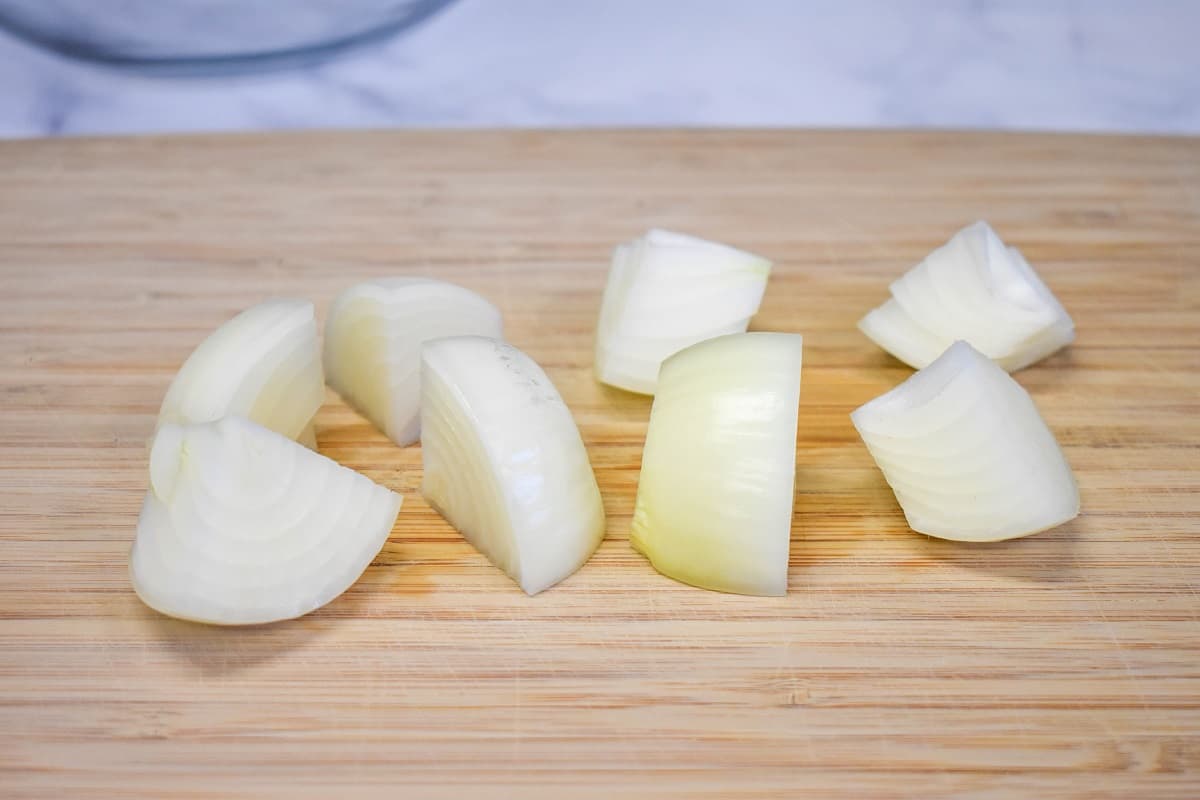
[
  {"x": 243, "y": 526},
  {"x": 714, "y": 500},
  {"x": 264, "y": 364},
  {"x": 504, "y": 462},
  {"x": 667, "y": 291},
  {"x": 976, "y": 289},
  {"x": 967, "y": 453},
  {"x": 373, "y": 344}
]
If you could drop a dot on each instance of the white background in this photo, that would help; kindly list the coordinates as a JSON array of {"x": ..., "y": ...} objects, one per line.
[{"x": 1103, "y": 65}]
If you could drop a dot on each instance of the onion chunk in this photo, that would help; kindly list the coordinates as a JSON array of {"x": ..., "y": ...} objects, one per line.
[
  {"x": 967, "y": 453},
  {"x": 714, "y": 500},
  {"x": 373, "y": 344},
  {"x": 243, "y": 526},
  {"x": 264, "y": 364},
  {"x": 504, "y": 462},
  {"x": 667, "y": 291},
  {"x": 976, "y": 289}
]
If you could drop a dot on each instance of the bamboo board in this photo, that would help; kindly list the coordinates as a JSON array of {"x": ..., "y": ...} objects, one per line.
[{"x": 1066, "y": 665}]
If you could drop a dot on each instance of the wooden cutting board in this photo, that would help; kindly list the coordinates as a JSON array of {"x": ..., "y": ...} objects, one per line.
[{"x": 1062, "y": 665}]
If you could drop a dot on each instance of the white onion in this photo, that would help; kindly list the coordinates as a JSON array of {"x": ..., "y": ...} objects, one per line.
[
  {"x": 373, "y": 344},
  {"x": 264, "y": 364},
  {"x": 504, "y": 462},
  {"x": 667, "y": 291},
  {"x": 975, "y": 289},
  {"x": 714, "y": 500},
  {"x": 242, "y": 525},
  {"x": 308, "y": 436},
  {"x": 967, "y": 453}
]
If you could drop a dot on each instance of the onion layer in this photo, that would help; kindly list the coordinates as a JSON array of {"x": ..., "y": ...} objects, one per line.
[
  {"x": 263, "y": 364},
  {"x": 504, "y": 462},
  {"x": 667, "y": 291},
  {"x": 373, "y": 344},
  {"x": 242, "y": 525},
  {"x": 714, "y": 501},
  {"x": 975, "y": 289},
  {"x": 967, "y": 453}
]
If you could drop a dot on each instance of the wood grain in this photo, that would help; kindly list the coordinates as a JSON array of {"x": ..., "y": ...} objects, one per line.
[{"x": 1066, "y": 665}]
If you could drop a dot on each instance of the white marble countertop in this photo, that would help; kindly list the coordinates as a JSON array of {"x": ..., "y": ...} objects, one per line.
[{"x": 1082, "y": 65}]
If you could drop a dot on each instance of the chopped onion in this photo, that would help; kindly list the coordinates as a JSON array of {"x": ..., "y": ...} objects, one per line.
[
  {"x": 976, "y": 289},
  {"x": 242, "y": 525},
  {"x": 667, "y": 291},
  {"x": 967, "y": 453},
  {"x": 373, "y": 344},
  {"x": 504, "y": 463},
  {"x": 308, "y": 436},
  {"x": 264, "y": 364},
  {"x": 714, "y": 501}
]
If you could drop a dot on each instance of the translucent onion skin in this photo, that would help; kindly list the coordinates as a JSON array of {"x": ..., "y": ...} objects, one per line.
[
  {"x": 264, "y": 364},
  {"x": 373, "y": 343},
  {"x": 244, "y": 526},
  {"x": 967, "y": 453},
  {"x": 976, "y": 289},
  {"x": 504, "y": 462},
  {"x": 714, "y": 500},
  {"x": 667, "y": 291}
]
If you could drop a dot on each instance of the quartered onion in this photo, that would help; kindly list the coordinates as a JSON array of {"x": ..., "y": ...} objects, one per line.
[
  {"x": 264, "y": 364},
  {"x": 667, "y": 291},
  {"x": 967, "y": 453},
  {"x": 308, "y": 436},
  {"x": 714, "y": 500},
  {"x": 373, "y": 344},
  {"x": 976, "y": 289},
  {"x": 242, "y": 525},
  {"x": 504, "y": 462}
]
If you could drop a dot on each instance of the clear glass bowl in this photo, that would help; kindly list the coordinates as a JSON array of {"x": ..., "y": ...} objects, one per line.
[{"x": 208, "y": 35}]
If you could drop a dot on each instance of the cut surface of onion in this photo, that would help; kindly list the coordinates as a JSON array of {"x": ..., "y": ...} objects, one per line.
[
  {"x": 667, "y": 291},
  {"x": 976, "y": 289},
  {"x": 714, "y": 500},
  {"x": 967, "y": 453},
  {"x": 504, "y": 462},
  {"x": 373, "y": 344},
  {"x": 264, "y": 364},
  {"x": 244, "y": 526},
  {"x": 308, "y": 436}
]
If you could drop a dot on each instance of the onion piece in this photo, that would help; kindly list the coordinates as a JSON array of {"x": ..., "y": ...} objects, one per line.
[
  {"x": 967, "y": 453},
  {"x": 264, "y": 364},
  {"x": 714, "y": 500},
  {"x": 667, "y": 291},
  {"x": 504, "y": 462},
  {"x": 242, "y": 525},
  {"x": 373, "y": 344},
  {"x": 976, "y": 289},
  {"x": 308, "y": 436}
]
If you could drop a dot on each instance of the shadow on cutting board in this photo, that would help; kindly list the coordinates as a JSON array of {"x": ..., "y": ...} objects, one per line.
[
  {"x": 225, "y": 651},
  {"x": 1046, "y": 557}
]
